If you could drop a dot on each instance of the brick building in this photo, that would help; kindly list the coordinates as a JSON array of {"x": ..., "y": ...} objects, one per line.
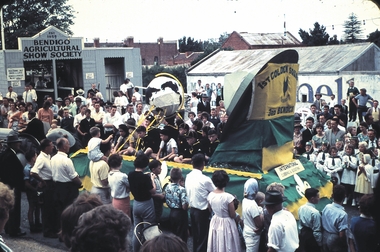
[
  {"x": 246, "y": 41},
  {"x": 153, "y": 53}
]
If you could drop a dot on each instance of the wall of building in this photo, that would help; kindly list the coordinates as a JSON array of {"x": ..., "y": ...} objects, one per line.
[{"x": 236, "y": 42}]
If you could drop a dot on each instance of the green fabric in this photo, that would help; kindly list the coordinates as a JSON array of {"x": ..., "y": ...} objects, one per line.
[
  {"x": 243, "y": 147},
  {"x": 313, "y": 176}
]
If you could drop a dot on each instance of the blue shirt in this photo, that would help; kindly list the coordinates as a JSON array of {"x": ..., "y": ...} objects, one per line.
[
  {"x": 175, "y": 196},
  {"x": 334, "y": 218},
  {"x": 364, "y": 231},
  {"x": 362, "y": 99},
  {"x": 27, "y": 176}
]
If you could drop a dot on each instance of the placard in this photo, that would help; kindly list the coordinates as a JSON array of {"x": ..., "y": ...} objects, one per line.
[
  {"x": 15, "y": 74},
  {"x": 289, "y": 169}
]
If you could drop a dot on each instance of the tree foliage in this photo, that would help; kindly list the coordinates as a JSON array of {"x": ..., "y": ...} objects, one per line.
[
  {"x": 25, "y": 18},
  {"x": 352, "y": 29},
  {"x": 179, "y": 72},
  {"x": 374, "y": 37},
  {"x": 210, "y": 46},
  {"x": 190, "y": 45},
  {"x": 315, "y": 37}
]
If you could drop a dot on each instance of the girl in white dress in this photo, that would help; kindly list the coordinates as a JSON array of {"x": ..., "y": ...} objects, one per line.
[
  {"x": 223, "y": 234},
  {"x": 350, "y": 165}
]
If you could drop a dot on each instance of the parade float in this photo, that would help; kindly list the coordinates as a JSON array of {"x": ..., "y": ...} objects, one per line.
[{"x": 257, "y": 140}]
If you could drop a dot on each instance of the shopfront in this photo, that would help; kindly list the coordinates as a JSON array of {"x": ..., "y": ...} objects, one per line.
[{"x": 57, "y": 64}]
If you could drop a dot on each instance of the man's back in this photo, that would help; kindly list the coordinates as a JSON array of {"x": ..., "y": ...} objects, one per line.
[
  {"x": 283, "y": 233},
  {"x": 198, "y": 186}
]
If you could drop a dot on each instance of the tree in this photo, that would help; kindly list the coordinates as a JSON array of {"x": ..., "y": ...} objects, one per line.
[
  {"x": 25, "y": 18},
  {"x": 190, "y": 45},
  {"x": 211, "y": 45},
  {"x": 148, "y": 73},
  {"x": 333, "y": 40},
  {"x": 374, "y": 37},
  {"x": 352, "y": 28},
  {"x": 316, "y": 37}
]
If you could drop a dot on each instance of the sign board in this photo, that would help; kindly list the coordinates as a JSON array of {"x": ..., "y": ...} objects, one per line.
[
  {"x": 129, "y": 74},
  {"x": 16, "y": 83},
  {"x": 90, "y": 76},
  {"x": 15, "y": 74},
  {"x": 289, "y": 169},
  {"x": 50, "y": 44}
]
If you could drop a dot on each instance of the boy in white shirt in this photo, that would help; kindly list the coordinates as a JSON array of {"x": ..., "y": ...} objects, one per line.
[{"x": 94, "y": 153}]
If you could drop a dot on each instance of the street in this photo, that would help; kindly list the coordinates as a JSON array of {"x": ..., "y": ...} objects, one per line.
[{"x": 36, "y": 242}]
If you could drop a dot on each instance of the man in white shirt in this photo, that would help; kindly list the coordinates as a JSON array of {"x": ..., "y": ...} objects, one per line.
[
  {"x": 42, "y": 171},
  {"x": 66, "y": 179},
  {"x": 109, "y": 120},
  {"x": 130, "y": 114},
  {"x": 79, "y": 117},
  {"x": 282, "y": 233},
  {"x": 98, "y": 116},
  {"x": 31, "y": 96},
  {"x": 198, "y": 187},
  {"x": 137, "y": 95},
  {"x": 11, "y": 95}
]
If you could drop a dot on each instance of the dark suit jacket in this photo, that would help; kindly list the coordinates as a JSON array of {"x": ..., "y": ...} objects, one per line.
[
  {"x": 306, "y": 137},
  {"x": 11, "y": 169},
  {"x": 204, "y": 108},
  {"x": 36, "y": 128}
]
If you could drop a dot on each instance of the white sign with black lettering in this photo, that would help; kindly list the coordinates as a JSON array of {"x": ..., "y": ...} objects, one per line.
[
  {"x": 289, "y": 169},
  {"x": 15, "y": 74}
]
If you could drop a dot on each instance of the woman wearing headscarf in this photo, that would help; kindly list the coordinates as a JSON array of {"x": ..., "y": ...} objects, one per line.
[{"x": 253, "y": 220}]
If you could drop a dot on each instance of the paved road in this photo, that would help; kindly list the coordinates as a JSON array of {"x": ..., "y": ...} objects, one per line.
[{"x": 36, "y": 242}]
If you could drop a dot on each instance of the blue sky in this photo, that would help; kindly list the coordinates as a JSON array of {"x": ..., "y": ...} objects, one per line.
[{"x": 146, "y": 20}]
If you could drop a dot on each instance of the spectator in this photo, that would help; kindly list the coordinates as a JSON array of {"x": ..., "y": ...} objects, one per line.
[
  {"x": 223, "y": 234},
  {"x": 6, "y": 204},
  {"x": 158, "y": 196},
  {"x": 360, "y": 102},
  {"x": 165, "y": 243},
  {"x": 334, "y": 223},
  {"x": 119, "y": 184},
  {"x": 103, "y": 228},
  {"x": 69, "y": 218}
]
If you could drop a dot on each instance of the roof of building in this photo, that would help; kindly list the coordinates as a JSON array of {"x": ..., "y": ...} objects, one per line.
[
  {"x": 267, "y": 39},
  {"x": 326, "y": 59}
]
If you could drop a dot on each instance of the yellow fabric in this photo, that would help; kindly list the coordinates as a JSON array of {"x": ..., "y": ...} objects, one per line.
[
  {"x": 324, "y": 192},
  {"x": 274, "y": 156},
  {"x": 275, "y": 92}
]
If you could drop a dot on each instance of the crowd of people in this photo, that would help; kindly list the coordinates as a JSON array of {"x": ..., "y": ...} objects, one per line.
[{"x": 339, "y": 145}]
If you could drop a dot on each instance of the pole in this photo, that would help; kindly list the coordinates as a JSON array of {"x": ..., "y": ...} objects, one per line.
[
  {"x": 2, "y": 29},
  {"x": 55, "y": 84}
]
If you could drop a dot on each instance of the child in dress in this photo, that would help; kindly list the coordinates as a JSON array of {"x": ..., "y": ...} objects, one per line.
[
  {"x": 94, "y": 153},
  {"x": 322, "y": 155},
  {"x": 309, "y": 154},
  {"x": 350, "y": 165},
  {"x": 363, "y": 181},
  {"x": 31, "y": 186},
  {"x": 333, "y": 165},
  {"x": 119, "y": 184},
  {"x": 177, "y": 200}
]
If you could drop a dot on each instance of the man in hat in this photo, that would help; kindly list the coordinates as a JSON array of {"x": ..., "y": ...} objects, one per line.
[
  {"x": 335, "y": 222},
  {"x": 297, "y": 139},
  {"x": 80, "y": 95},
  {"x": 360, "y": 102},
  {"x": 11, "y": 173},
  {"x": 283, "y": 232},
  {"x": 310, "y": 223},
  {"x": 204, "y": 105},
  {"x": 318, "y": 102},
  {"x": 351, "y": 93}
]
